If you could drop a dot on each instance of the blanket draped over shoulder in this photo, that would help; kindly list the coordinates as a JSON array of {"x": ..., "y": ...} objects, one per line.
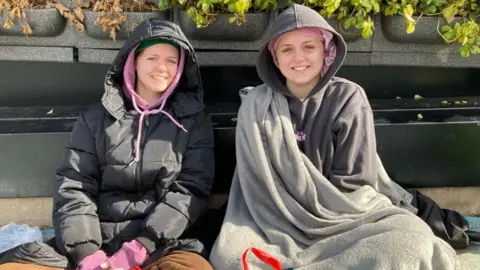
[{"x": 280, "y": 203}]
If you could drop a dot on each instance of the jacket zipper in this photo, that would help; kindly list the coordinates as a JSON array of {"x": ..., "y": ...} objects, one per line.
[{"x": 139, "y": 166}]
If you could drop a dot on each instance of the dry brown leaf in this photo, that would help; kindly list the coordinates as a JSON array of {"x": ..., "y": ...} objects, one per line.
[
  {"x": 79, "y": 13},
  {"x": 111, "y": 15},
  {"x": 113, "y": 22},
  {"x": 132, "y": 27},
  {"x": 61, "y": 8},
  {"x": 13, "y": 13},
  {"x": 83, "y": 3},
  {"x": 4, "y": 5},
  {"x": 79, "y": 26},
  {"x": 104, "y": 20},
  {"x": 113, "y": 34},
  {"x": 26, "y": 29},
  {"x": 117, "y": 9},
  {"x": 97, "y": 6},
  {"x": 8, "y": 24}
]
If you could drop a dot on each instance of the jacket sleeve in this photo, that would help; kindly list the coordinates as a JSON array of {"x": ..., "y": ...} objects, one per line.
[
  {"x": 75, "y": 219},
  {"x": 188, "y": 196},
  {"x": 354, "y": 162}
]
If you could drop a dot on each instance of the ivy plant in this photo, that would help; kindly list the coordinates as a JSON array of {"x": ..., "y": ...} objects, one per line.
[{"x": 203, "y": 12}]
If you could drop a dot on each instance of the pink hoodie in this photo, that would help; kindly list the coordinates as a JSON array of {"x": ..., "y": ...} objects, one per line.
[{"x": 140, "y": 104}]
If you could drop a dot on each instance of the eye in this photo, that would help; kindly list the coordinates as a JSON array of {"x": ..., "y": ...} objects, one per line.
[
  {"x": 151, "y": 58},
  {"x": 310, "y": 47},
  {"x": 172, "y": 61},
  {"x": 285, "y": 50}
]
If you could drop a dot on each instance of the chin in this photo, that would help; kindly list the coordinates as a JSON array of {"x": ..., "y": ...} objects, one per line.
[
  {"x": 301, "y": 82},
  {"x": 159, "y": 89}
]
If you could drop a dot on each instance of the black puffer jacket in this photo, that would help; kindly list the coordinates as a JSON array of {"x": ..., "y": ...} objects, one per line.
[{"x": 103, "y": 198}]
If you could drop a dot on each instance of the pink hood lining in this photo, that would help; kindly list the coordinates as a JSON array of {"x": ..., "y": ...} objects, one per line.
[{"x": 140, "y": 105}]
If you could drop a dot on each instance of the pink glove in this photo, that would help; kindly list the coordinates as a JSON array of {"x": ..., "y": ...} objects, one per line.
[
  {"x": 130, "y": 255},
  {"x": 93, "y": 261}
]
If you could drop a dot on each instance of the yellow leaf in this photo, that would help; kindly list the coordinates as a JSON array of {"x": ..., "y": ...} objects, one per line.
[
  {"x": 410, "y": 27},
  {"x": 409, "y": 21},
  {"x": 408, "y": 11},
  {"x": 445, "y": 102},
  {"x": 50, "y": 112},
  {"x": 464, "y": 102},
  {"x": 417, "y": 97},
  {"x": 419, "y": 116}
]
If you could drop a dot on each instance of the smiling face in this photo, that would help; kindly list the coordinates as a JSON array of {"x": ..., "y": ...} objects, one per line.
[
  {"x": 300, "y": 58},
  {"x": 156, "y": 67}
]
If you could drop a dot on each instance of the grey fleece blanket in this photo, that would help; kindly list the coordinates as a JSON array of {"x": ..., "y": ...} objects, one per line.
[{"x": 280, "y": 203}]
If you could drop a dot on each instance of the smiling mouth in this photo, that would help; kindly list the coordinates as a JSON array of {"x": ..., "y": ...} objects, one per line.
[
  {"x": 300, "y": 68},
  {"x": 159, "y": 77}
]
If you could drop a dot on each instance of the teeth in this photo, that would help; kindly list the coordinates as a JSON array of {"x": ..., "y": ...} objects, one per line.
[
  {"x": 159, "y": 77},
  {"x": 300, "y": 68}
]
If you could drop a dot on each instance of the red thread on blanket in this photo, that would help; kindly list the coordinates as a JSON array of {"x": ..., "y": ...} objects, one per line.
[{"x": 263, "y": 256}]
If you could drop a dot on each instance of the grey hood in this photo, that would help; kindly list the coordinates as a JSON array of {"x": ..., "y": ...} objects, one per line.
[{"x": 295, "y": 17}]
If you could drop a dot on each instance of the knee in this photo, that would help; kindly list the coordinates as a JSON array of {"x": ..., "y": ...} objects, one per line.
[{"x": 180, "y": 260}]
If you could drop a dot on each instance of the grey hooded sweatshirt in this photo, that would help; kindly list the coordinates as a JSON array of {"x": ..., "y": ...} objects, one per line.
[{"x": 336, "y": 117}]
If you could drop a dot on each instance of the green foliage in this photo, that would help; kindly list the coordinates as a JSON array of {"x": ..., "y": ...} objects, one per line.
[
  {"x": 352, "y": 13},
  {"x": 203, "y": 12},
  {"x": 460, "y": 19}
]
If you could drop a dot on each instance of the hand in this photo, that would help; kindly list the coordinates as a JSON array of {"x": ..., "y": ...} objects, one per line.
[
  {"x": 106, "y": 266},
  {"x": 93, "y": 261},
  {"x": 131, "y": 254}
]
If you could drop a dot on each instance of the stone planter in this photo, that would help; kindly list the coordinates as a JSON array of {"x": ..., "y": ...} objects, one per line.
[
  {"x": 349, "y": 35},
  {"x": 133, "y": 19},
  {"x": 222, "y": 30},
  {"x": 43, "y": 22},
  {"x": 393, "y": 28}
]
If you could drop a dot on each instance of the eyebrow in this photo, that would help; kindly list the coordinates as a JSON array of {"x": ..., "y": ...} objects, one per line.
[
  {"x": 169, "y": 57},
  {"x": 288, "y": 44}
]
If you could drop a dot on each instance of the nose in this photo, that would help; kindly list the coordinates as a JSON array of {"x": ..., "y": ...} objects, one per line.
[
  {"x": 299, "y": 56},
  {"x": 161, "y": 67}
]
